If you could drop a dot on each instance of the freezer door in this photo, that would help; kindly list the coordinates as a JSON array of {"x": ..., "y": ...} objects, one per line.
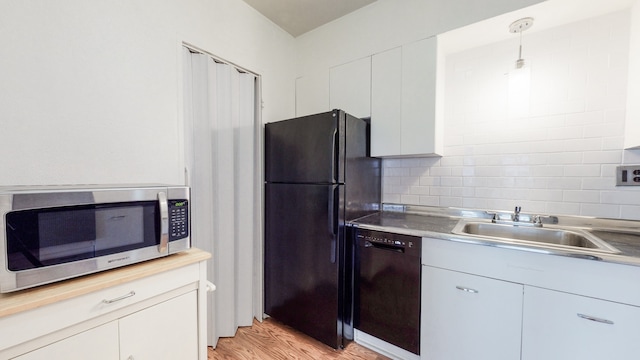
[
  {"x": 304, "y": 247},
  {"x": 308, "y": 149}
]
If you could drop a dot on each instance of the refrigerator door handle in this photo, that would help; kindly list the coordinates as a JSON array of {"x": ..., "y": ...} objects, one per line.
[
  {"x": 333, "y": 221},
  {"x": 334, "y": 153}
]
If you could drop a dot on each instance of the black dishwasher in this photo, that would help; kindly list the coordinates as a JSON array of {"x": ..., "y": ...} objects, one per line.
[{"x": 387, "y": 287}]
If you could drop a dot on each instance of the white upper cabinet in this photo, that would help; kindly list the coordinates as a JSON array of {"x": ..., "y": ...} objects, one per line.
[
  {"x": 632, "y": 126},
  {"x": 404, "y": 101},
  {"x": 386, "y": 102},
  {"x": 350, "y": 87}
]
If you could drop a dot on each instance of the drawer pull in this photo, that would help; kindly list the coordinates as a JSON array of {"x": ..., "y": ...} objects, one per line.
[
  {"x": 111, "y": 301},
  {"x": 469, "y": 290},
  {"x": 593, "y": 318}
]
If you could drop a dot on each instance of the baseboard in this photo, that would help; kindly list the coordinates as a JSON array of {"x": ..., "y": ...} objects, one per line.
[{"x": 383, "y": 347}]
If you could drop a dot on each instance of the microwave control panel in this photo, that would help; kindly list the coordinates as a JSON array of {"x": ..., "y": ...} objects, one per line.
[{"x": 178, "y": 219}]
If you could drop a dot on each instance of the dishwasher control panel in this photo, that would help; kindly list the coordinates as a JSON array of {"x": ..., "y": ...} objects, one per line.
[{"x": 406, "y": 243}]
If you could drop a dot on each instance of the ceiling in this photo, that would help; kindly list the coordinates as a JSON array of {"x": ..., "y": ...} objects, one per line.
[{"x": 299, "y": 16}]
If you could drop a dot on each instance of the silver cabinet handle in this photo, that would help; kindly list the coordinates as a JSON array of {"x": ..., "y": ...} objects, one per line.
[
  {"x": 593, "y": 318},
  {"x": 111, "y": 301},
  {"x": 469, "y": 290}
]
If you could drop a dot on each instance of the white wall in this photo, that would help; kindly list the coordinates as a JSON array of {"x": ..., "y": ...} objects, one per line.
[
  {"x": 556, "y": 151},
  {"x": 90, "y": 91}
]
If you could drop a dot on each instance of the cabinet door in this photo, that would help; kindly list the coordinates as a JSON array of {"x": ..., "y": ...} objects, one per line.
[
  {"x": 350, "y": 87},
  {"x": 419, "y": 69},
  {"x": 469, "y": 317},
  {"x": 100, "y": 343},
  {"x": 168, "y": 330},
  {"x": 564, "y": 326},
  {"x": 404, "y": 112},
  {"x": 386, "y": 102}
]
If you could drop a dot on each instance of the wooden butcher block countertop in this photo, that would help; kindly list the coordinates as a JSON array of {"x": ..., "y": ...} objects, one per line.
[{"x": 23, "y": 300}]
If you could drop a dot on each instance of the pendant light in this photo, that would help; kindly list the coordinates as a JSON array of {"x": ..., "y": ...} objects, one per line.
[
  {"x": 519, "y": 83},
  {"x": 517, "y": 27}
]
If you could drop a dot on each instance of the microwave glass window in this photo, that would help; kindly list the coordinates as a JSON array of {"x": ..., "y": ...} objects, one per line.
[{"x": 37, "y": 238}]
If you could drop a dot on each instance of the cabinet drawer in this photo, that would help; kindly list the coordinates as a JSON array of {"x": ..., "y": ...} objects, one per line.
[
  {"x": 41, "y": 321},
  {"x": 558, "y": 325}
]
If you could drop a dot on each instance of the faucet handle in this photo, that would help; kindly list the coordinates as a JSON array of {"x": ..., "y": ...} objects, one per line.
[
  {"x": 517, "y": 210},
  {"x": 537, "y": 221}
]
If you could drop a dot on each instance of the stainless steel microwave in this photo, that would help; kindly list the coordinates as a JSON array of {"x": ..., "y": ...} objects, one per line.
[{"x": 54, "y": 233}]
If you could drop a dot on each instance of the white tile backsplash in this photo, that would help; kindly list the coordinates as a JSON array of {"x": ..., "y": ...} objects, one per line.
[{"x": 550, "y": 148}]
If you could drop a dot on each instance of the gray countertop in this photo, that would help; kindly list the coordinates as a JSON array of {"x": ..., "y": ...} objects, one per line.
[{"x": 438, "y": 223}]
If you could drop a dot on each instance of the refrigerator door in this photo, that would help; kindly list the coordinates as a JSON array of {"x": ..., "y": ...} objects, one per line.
[
  {"x": 308, "y": 149},
  {"x": 304, "y": 250}
]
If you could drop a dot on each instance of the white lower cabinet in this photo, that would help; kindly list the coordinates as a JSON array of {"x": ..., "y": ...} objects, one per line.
[
  {"x": 469, "y": 317},
  {"x": 153, "y": 310},
  {"x": 494, "y": 303},
  {"x": 100, "y": 343},
  {"x": 168, "y": 330},
  {"x": 562, "y": 326},
  {"x": 164, "y": 331}
]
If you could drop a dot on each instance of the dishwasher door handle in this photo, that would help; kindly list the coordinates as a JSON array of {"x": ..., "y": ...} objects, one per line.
[{"x": 369, "y": 244}]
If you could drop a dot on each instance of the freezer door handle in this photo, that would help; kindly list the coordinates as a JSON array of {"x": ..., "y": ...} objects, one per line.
[
  {"x": 334, "y": 154},
  {"x": 333, "y": 221}
]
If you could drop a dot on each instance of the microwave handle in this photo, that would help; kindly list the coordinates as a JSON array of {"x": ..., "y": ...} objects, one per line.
[{"x": 164, "y": 222}]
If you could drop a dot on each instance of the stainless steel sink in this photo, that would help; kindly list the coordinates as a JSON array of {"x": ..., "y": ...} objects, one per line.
[{"x": 525, "y": 233}]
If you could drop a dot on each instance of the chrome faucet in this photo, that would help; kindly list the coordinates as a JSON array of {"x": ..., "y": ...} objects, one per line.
[{"x": 515, "y": 217}]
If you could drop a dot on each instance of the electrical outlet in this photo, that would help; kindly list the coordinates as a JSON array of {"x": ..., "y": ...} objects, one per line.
[{"x": 628, "y": 175}]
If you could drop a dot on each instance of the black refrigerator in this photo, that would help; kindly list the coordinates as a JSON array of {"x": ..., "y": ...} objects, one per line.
[{"x": 318, "y": 176}]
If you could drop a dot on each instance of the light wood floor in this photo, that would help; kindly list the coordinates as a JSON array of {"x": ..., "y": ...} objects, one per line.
[{"x": 272, "y": 340}]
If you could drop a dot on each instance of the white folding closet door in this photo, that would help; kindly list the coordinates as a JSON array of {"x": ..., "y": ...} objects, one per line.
[
  {"x": 220, "y": 121},
  {"x": 246, "y": 202},
  {"x": 199, "y": 165}
]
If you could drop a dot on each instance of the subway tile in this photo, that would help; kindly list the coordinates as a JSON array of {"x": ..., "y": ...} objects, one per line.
[
  {"x": 410, "y": 199},
  {"x": 631, "y": 212},
  {"x": 455, "y": 202},
  {"x": 465, "y": 192},
  {"x": 602, "y": 157},
  {"x": 418, "y": 171},
  {"x": 410, "y": 180},
  {"x": 439, "y": 191},
  {"x": 420, "y": 190},
  {"x": 631, "y": 157},
  {"x": 548, "y": 171},
  {"x": 391, "y": 198},
  {"x": 600, "y": 183},
  {"x": 581, "y": 196},
  {"x": 451, "y": 181},
  {"x": 440, "y": 171},
  {"x": 562, "y": 208},
  {"x": 429, "y": 200},
  {"x": 613, "y": 143},
  {"x": 627, "y": 196},
  {"x": 582, "y": 170},
  {"x": 429, "y": 181},
  {"x": 565, "y": 183},
  {"x": 600, "y": 210}
]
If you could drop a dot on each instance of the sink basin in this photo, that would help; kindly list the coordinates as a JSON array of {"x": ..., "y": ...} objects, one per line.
[{"x": 525, "y": 233}]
